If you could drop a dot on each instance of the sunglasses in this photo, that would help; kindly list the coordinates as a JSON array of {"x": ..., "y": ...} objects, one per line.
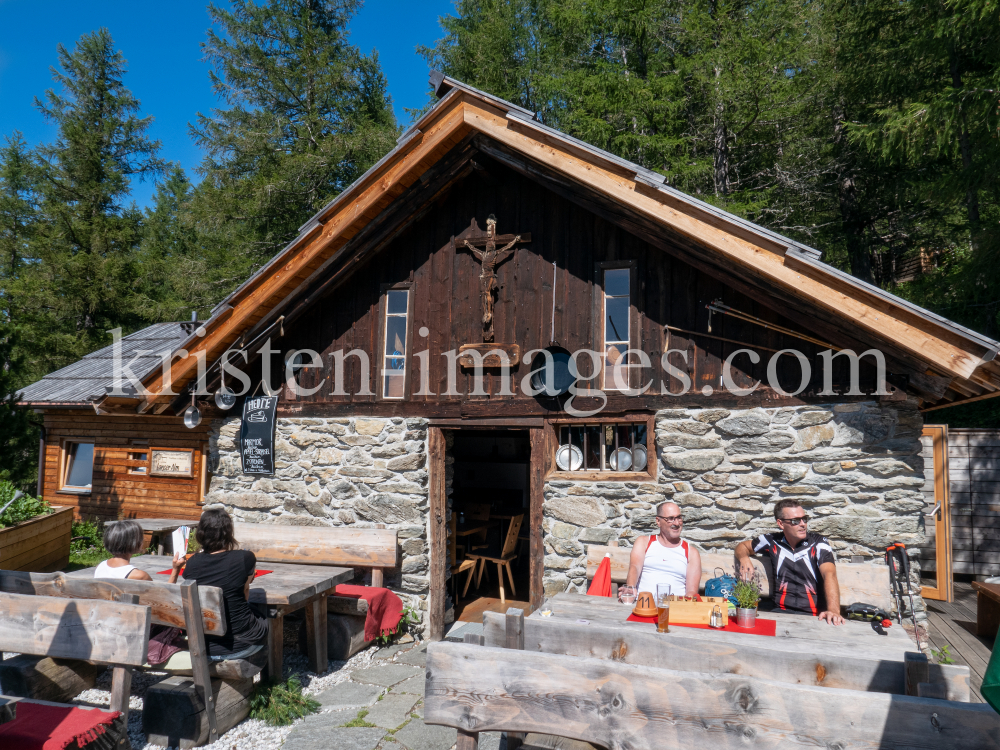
[
  {"x": 669, "y": 519},
  {"x": 795, "y": 521}
]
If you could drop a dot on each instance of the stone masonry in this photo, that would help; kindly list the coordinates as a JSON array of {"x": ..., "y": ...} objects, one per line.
[
  {"x": 337, "y": 472},
  {"x": 855, "y": 467}
]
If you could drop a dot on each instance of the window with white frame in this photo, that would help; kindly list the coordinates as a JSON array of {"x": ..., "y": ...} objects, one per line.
[
  {"x": 617, "y": 294},
  {"x": 397, "y": 302},
  {"x": 78, "y": 467}
]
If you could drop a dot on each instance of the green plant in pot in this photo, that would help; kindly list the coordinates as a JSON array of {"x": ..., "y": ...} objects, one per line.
[{"x": 747, "y": 595}]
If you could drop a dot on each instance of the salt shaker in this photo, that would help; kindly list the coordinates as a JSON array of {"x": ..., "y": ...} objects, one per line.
[{"x": 716, "y": 619}]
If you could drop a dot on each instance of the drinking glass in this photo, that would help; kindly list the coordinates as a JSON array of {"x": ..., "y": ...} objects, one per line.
[
  {"x": 626, "y": 594},
  {"x": 663, "y": 608}
]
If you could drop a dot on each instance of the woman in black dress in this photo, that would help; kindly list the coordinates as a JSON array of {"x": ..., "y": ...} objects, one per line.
[{"x": 221, "y": 563}]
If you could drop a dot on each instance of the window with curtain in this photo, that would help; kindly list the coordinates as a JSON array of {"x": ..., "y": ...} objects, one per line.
[{"x": 394, "y": 360}]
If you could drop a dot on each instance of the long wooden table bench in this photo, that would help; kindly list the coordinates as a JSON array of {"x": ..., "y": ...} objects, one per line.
[
  {"x": 987, "y": 608},
  {"x": 859, "y": 582},
  {"x": 109, "y": 633},
  {"x": 177, "y": 713},
  {"x": 376, "y": 549},
  {"x": 611, "y": 703}
]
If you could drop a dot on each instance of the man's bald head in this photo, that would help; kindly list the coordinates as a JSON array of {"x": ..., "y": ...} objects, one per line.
[
  {"x": 668, "y": 509},
  {"x": 669, "y": 521}
]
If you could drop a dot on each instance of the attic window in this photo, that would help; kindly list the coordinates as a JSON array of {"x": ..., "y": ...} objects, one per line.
[{"x": 397, "y": 306}]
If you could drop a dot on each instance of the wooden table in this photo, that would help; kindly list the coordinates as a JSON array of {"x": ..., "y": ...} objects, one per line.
[
  {"x": 285, "y": 589},
  {"x": 158, "y": 528},
  {"x": 987, "y": 608}
]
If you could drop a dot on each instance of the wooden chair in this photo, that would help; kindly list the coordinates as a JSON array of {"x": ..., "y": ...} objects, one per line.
[
  {"x": 501, "y": 557},
  {"x": 110, "y": 633}
]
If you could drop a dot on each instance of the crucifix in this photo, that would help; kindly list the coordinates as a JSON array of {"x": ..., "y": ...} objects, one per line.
[{"x": 490, "y": 257}]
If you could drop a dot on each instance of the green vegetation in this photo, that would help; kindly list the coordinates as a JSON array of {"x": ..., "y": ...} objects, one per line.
[
  {"x": 87, "y": 546},
  {"x": 359, "y": 720},
  {"x": 22, "y": 509},
  {"x": 942, "y": 655},
  {"x": 279, "y": 704},
  {"x": 410, "y": 617},
  {"x": 747, "y": 592}
]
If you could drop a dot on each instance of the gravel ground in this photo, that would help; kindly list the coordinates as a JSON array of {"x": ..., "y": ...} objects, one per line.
[{"x": 250, "y": 734}]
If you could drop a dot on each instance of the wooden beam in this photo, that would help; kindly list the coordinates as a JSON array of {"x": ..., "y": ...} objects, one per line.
[
  {"x": 437, "y": 532},
  {"x": 481, "y": 689},
  {"x": 944, "y": 349},
  {"x": 343, "y": 546}
]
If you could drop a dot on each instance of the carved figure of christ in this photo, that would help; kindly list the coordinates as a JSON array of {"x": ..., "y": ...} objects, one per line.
[{"x": 490, "y": 257}]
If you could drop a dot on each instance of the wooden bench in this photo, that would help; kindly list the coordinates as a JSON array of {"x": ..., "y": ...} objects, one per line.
[
  {"x": 110, "y": 633},
  {"x": 611, "y": 703},
  {"x": 376, "y": 548},
  {"x": 859, "y": 582},
  {"x": 987, "y": 608},
  {"x": 176, "y": 707}
]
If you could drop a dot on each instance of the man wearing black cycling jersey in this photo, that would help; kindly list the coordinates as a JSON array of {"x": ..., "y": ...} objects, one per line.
[{"x": 805, "y": 574}]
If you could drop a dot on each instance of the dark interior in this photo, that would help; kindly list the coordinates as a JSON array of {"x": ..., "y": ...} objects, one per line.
[{"x": 489, "y": 491}]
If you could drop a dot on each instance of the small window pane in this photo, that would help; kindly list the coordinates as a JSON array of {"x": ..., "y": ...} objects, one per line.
[
  {"x": 395, "y": 336},
  {"x": 397, "y": 302},
  {"x": 616, "y": 282},
  {"x": 616, "y": 319},
  {"x": 394, "y": 382},
  {"x": 80, "y": 465}
]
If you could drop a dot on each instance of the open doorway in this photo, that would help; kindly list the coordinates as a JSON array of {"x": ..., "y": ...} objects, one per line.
[{"x": 490, "y": 531}]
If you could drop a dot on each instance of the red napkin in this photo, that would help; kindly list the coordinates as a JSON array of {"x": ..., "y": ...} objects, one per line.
[
  {"x": 385, "y": 609},
  {"x": 763, "y": 627},
  {"x": 257, "y": 573},
  {"x": 42, "y": 727},
  {"x": 601, "y": 585}
]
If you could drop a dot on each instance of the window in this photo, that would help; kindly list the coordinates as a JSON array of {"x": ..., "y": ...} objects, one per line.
[
  {"x": 397, "y": 304},
  {"x": 138, "y": 463},
  {"x": 617, "y": 304},
  {"x": 78, "y": 469},
  {"x": 611, "y": 447}
]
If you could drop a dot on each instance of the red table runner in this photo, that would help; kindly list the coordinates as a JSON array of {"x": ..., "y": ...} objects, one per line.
[
  {"x": 763, "y": 627},
  {"x": 257, "y": 573},
  {"x": 41, "y": 727}
]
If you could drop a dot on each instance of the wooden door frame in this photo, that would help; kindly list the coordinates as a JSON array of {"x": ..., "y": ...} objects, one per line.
[
  {"x": 944, "y": 590},
  {"x": 437, "y": 532}
]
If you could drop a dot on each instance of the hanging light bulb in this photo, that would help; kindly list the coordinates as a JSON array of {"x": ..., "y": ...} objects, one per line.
[{"x": 192, "y": 415}]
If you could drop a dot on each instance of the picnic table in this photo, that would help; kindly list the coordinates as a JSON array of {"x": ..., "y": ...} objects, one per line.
[
  {"x": 158, "y": 528},
  {"x": 287, "y": 588}
]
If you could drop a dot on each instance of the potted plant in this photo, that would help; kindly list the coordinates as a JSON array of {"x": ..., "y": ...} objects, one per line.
[{"x": 747, "y": 595}]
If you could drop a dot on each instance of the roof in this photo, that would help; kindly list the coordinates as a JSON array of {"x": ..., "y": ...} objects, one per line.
[
  {"x": 91, "y": 378},
  {"x": 951, "y": 363}
]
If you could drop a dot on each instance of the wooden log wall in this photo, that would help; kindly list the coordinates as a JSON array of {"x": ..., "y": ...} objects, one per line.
[
  {"x": 974, "y": 471},
  {"x": 532, "y": 312},
  {"x": 117, "y": 493}
]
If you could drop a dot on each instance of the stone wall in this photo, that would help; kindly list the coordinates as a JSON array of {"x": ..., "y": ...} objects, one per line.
[
  {"x": 856, "y": 468},
  {"x": 337, "y": 472}
]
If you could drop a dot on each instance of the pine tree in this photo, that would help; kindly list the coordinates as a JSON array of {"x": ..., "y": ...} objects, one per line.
[
  {"x": 308, "y": 114},
  {"x": 19, "y": 217},
  {"x": 83, "y": 278}
]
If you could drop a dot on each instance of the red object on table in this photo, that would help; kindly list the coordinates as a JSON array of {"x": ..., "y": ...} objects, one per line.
[
  {"x": 385, "y": 609},
  {"x": 601, "y": 585},
  {"x": 41, "y": 727},
  {"x": 257, "y": 573},
  {"x": 763, "y": 627}
]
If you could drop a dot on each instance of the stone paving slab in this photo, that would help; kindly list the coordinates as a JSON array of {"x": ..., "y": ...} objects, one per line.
[
  {"x": 385, "y": 675},
  {"x": 321, "y": 731},
  {"x": 392, "y": 711},
  {"x": 419, "y": 736},
  {"x": 390, "y": 651},
  {"x": 414, "y": 685},
  {"x": 348, "y": 695},
  {"x": 415, "y": 656}
]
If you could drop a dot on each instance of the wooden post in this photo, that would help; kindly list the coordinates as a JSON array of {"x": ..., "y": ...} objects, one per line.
[
  {"x": 437, "y": 532},
  {"x": 275, "y": 645},
  {"x": 915, "y": 669},
  {"x": 938, "y": 690},
  {"x": 378, "y": 579},
  {"x": 121, "y": 681},
  {"x": 469, "y": 740},
  {"x": 536, "y": 493},
  {"x": 515, "y": 640},
  {"x": 199, "y": 653},
  {"x": 316, "y": 620}
]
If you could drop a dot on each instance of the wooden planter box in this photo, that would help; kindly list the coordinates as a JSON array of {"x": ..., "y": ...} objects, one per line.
[{"x": 40, "y": 544}]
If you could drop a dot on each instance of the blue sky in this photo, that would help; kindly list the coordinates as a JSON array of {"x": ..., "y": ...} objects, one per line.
[{"x": 161, "y": 43}]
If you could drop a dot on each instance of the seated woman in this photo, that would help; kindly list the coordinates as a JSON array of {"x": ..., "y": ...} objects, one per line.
[
  {"x": 221, "y": 563},
  {"x": 124, "y": 539}
]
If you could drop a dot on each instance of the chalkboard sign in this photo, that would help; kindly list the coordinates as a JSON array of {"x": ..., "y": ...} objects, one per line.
[{"x": 257, "y": 435}]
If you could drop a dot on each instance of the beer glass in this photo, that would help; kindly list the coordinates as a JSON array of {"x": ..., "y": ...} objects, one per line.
[
  {"x": 626, "y": 594},
  {"x": 663, "y": 608}
]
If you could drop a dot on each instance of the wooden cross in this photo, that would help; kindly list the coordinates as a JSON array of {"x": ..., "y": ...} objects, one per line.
[{"x": 490, "y": 257}]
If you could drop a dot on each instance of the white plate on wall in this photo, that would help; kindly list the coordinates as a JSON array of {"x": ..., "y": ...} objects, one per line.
[
  {"x": 621, "y": 459},
  {"x": 639, "y": 458},
  {"x": 569, "y": 458}
]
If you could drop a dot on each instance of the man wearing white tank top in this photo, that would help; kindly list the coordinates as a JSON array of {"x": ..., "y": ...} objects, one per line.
[{"x": 665, "y": 557}]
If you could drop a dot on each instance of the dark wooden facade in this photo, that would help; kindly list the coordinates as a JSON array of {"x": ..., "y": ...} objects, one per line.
[{"x": 444, "y": 284}]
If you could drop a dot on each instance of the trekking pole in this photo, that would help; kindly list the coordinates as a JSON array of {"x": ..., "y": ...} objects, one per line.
[
  {"x": 894, "y": 584},
  {"x": 905, "y": 560}
]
